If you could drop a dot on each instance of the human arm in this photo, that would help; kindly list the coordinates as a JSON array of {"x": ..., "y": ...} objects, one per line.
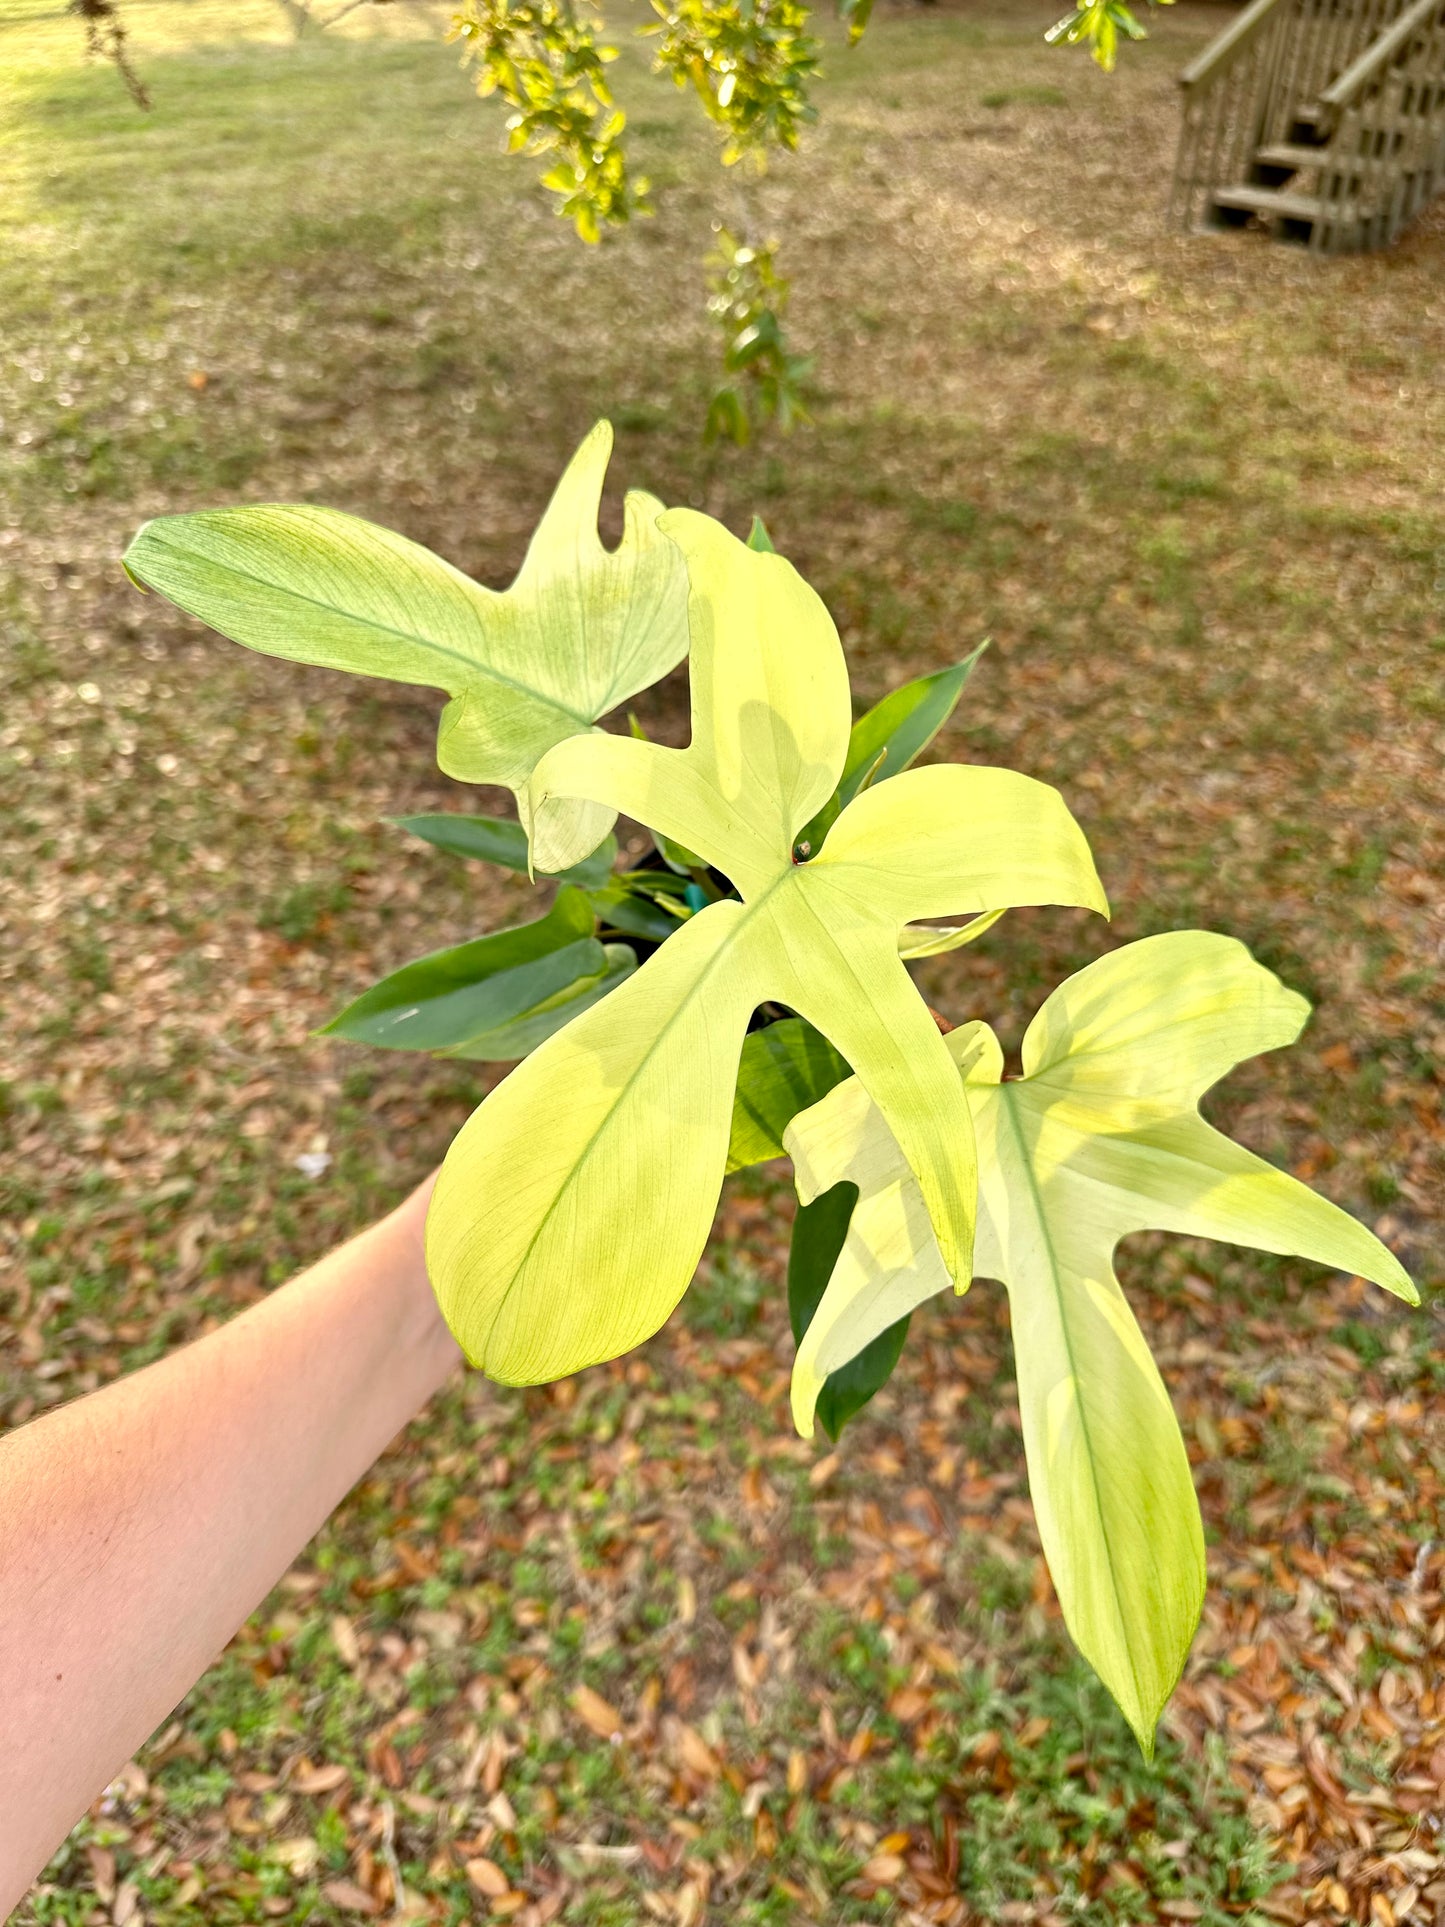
[{"x": 139, "y": 1526}]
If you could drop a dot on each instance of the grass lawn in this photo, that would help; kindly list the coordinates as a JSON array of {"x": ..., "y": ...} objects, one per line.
[{"x": 624, "y": 1649}]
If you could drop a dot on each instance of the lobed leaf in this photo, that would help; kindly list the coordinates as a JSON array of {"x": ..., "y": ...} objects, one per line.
[
  {"x": 580, "y": 630},
  {"x": 889, "y": 1262},
  {"x": 626, "y": 1137},
  {"x": 1100, "y": 1138},
  {"x": 769, "y": 721},
  {"x": 956, "y": 837},
  {"x": 835, "y": 961}
]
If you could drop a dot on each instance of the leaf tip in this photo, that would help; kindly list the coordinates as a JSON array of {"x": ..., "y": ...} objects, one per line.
[
  {"x": 804, "y": 1396},
  {"x": 595, "y": 451},
  {"x": 1141, "y": 1716},
  {"x": 1403, "y": 1286}
]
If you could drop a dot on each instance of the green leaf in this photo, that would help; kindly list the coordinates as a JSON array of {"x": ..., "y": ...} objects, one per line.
[
  {"x": 819, "y": 1232},
  {"x": 497, "y": 839},
  {"x": 855, "y": 14},
  {"x": 1100, "y": 22},
  {"x": 1073, "y": 26},
  {"x": 580, "y": 630},
  {"x": 891, "y": 735},
  {"x": 759, "y": 539},
  {"x": 622, "y": 909},
  {"x": 900, "y": 727},
  {"x": 657, "y": 883},
  {"x": 1100, "y": 1137},
  {"x": 449, "y": 997},
  {"x": 675, "y": 856},
  {"x": 510, "y": 1042},
  {"x": 727, "y": 419},
  {"x": 626, "y": 1115},
  {"x": 783, "y": 1070}
]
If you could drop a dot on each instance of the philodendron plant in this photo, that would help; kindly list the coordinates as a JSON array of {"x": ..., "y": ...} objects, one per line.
[{"x": 741, "y": 990}]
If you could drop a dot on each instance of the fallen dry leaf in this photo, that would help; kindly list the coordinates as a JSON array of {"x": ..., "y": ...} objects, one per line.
[{"x": 596, "y": 1713}]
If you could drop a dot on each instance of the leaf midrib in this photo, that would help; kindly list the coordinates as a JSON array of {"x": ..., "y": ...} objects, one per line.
[
  {"x": 1041, "y": 1215},
  {"x": 426, "y": 643},
  {"x": 723, "y": 950}
]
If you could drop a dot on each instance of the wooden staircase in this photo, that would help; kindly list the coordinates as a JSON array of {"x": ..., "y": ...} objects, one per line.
[{"x": 1321, "y": 121}]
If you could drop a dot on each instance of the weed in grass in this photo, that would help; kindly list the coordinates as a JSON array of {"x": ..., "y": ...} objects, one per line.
[
  {"x": 304, "y": 911},
  {"x": 1024, "y": 96}
]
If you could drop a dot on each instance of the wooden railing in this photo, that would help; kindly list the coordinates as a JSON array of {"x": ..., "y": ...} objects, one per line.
[
  {"x": 1226, "y": 93},
  {"x": 1264, "y": 80},
  {"x": 1330, "y": 35},
  {"x": 1387, "y": 146}
]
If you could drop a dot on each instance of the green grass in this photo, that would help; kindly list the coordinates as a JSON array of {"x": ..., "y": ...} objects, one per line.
[{"x": 1185, "y": 488}]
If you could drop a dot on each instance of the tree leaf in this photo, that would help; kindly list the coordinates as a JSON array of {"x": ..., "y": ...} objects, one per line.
[
  {"x": 442, "y": 1000},
  {"x": 626, "y": 1134},
  {"x": 508, "y": 1043},
  {"x": 580, "y": 630},
  {"x": 819, "y": 1232},
  {"x": 857, "y": 14},
  {"x": 1101, "y": 1137},
  {"x": 783, "y": 1070},
  {"x": 498, "y": 839}
]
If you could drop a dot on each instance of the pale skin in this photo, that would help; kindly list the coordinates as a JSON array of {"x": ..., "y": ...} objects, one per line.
[{"x": 141, "y": 1525}]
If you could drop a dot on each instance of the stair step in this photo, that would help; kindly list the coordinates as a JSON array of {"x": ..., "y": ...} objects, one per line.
[
  {"x": 1269, "y": 200},
  {"x": 1290, "y": 154}
]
